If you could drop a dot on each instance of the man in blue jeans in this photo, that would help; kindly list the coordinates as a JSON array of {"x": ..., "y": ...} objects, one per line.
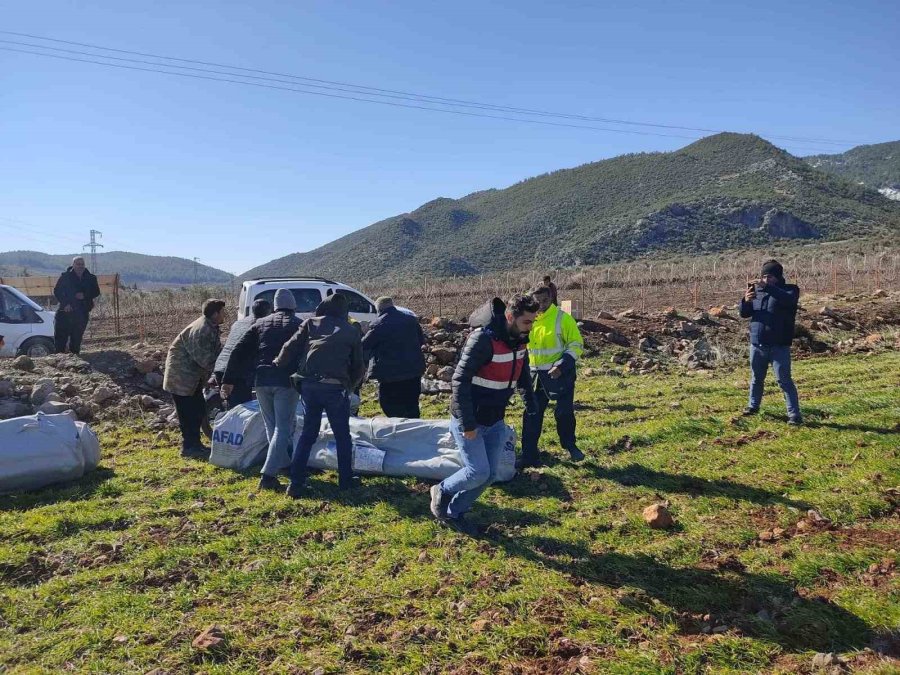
[
  {"x": 493, "y": 363},
  {"x": 771, "y": 306},
  {"x": 326, "y": 354},
  {"x": 277, "y": 397}
]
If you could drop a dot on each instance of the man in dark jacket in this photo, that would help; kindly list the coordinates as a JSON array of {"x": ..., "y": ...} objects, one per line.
[
  {"x": 494, "y": 362},
  {"x": 326, "y": 354},
  {"x": 393, "y": 345},
  {"x": 276, "y": 395},
  {"x": 771, "y": 306},
  {"x": 75, "y": 290},
  {"x": 554, "y": 294},
  {"x": 241, "y": 391}
]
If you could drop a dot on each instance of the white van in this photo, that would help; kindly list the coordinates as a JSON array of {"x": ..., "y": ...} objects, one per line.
[
  {"x": 26, "y": 327},
  {"x": 308, "y": 292}
]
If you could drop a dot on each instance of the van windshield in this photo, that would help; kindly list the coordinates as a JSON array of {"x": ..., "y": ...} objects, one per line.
[{"x": 307, "y": 298}]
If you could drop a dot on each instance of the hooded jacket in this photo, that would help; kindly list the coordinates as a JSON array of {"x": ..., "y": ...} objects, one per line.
[
  {"x": 258, "y": 348},
  {"x": 772, "y": 314},
  {"x": 69, "y": 284},
  {"x": 327, "y": 348},
  {"x": 493, "y": 363}
]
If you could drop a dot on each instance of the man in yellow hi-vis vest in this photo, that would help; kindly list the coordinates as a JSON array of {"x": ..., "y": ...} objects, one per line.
[{"x": 555, "y": 345}]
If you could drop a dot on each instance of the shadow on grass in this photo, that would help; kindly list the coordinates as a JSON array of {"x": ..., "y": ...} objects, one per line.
[
  {"x": 71, "y": 491},
  {"x": 733, "y": 598},
  {"x": 636, "y": 474},
  {"x": 547, "y": 485},
  {"x": 890, "y": 431}
]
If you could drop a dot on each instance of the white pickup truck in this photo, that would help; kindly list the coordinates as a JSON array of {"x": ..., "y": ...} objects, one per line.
[{"x": 26, "y": 327}]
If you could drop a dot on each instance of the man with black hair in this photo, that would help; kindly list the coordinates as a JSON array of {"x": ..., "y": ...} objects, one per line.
[
  {"x": 555, "y": 345},
  {"x": 554, "y": 296},
  {"x": 771, "y": 305},
  {"x": 326, "y": 354},
  {"x": 493, "y": 363},
  {"x": 189, "y": 363},
  {"x": 242, "y": 389},
  {"x": 75, "y": 290}
]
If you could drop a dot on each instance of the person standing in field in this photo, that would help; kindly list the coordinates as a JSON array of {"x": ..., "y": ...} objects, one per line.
[
  {"x": 75, "y": 290},
  {"x": 326, "y": 354},
  {"x": 554, "y": 297},
  {"x": 555, "y": 346},
  {"x": 494, "y": 362},
  {"x": 242, "y": 390},
  {"x": 393, "y": 345},
  {"x": 276, "y": 395},
  {"x": 189, "y": 363},
  {"x": 771, "y": 305}
]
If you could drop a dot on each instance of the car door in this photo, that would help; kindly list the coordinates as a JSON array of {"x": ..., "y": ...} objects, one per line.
[{"x": 15, "y": 321}]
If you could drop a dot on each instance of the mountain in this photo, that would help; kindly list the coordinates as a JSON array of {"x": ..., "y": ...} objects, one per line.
[
  {"x": 134, "y": 268},
  {"x": 724, "y": 191},
  {"x": 875, "y": 166}
]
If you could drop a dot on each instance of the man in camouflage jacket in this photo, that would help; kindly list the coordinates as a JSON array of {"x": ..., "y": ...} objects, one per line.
[{"x": 189, "y": 363}]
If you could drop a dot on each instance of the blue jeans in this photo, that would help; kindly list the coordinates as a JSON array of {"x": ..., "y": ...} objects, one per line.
[
  {"x": 278, "y": 406},
  {"x": 480, "y": 458},
  {"x": 780, "y": 358},
  {"x": 334, "y": 401}
]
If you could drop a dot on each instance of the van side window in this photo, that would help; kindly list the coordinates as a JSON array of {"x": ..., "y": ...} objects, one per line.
[
  {"x": 13, "y": 309},
  {"x": 356, "y": 303},
  {"x": 307, "y": 298}
]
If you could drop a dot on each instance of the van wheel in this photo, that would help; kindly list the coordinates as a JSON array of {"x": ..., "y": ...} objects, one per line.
[{"x": 38, "y": 347}]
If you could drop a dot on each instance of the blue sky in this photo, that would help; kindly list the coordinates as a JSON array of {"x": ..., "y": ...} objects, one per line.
[{"x": 239, "y": 175}]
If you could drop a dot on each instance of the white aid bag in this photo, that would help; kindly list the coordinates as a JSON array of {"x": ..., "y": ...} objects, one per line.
[
  {"x": 367, "y": 459},
  {"x": 38, "y": 450},
  {"x": 239, "y": 438},
  {"x": 89, "y": 445}
]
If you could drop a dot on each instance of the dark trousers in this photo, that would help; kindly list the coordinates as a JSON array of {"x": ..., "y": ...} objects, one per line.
[
  {"x": 242, "y": 392},
  {"x": 68, "y": 331},
  {"x": 191, "y": 412},
  {"x": 400, "y": 399},
  {"x": 564, "y": 412},
  {"x": 334, "y": 401}
]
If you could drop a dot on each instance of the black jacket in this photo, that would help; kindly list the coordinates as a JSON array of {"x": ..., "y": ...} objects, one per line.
[
  {"x": 772, "y": 314},
  {"x": 69, "y": 284},
  {"x": 393, "y": 345},
  {"x": 474, "y": 405},
  {"x": 258, "y": 348},
  {"x": 327, "y": 348},
  {"x": 238, "y": 329}
]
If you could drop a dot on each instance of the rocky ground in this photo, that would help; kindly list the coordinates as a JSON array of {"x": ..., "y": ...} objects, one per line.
[{"x": 125, "y": 381}]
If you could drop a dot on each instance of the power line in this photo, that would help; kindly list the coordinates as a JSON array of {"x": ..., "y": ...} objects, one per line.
[
  {"x": 350, "y": 98},
  {"x": 377, "y": 91}
]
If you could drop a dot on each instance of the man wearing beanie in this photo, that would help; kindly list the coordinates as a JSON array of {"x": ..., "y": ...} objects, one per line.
[
  {"x": 393, "y": 345},
  {"x": 771, "y": 305},
  {"x": 326, "y": 354},
  {"x": 277, "y": 397}
]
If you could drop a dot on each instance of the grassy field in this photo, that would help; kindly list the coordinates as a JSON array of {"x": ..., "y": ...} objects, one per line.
[{"x": 120, "y": 572}]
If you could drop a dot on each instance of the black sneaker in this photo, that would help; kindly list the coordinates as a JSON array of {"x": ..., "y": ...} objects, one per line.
[
  {"x": 352, "y": 484},
  {"x": 522, "y": 464},
  {"x": 294, "y": 490},
  {"x": 439, "y": 502},
  {"x": 461, "y": 525},
  {"x": 270, "y": 483},
  {"x": 795, "y": 421},
  {"x": 576, "y": 454},
  {"x": 197, "y": 452},
  {"x": 749, "y": 411}
]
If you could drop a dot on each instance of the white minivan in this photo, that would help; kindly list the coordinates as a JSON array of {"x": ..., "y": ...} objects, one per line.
[
  {"x": 26, "y": 327},
  {"x": 308, "y": 292}
]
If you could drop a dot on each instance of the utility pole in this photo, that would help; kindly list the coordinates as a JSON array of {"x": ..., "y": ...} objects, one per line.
[
  {"x": 195, "y": 270},
  {"x": 93, "y": 245}
]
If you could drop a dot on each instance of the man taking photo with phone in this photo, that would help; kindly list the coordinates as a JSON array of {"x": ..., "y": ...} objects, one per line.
[{"x": 771, "y": 305}]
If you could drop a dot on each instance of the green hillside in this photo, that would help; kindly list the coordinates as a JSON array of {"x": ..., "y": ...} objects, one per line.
[
  {"x": 134, "y": 268},
  {"x": 723, "y": 191},
  {"x": 876, "y": 166}
]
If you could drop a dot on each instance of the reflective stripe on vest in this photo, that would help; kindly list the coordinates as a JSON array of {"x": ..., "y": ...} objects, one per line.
[{"x": 557, "y": 344}]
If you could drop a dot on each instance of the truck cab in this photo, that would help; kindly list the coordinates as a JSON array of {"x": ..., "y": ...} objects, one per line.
[
  {"x": 26, "y": 327},
  {"x": 308, "y": 292}
]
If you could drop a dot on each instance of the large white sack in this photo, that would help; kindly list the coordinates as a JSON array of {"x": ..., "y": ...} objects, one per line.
[
  {"x": 38, "y": 450},
  {"x": 366, "y": 459},
  {"x": 239, "y": 438},
  {"x": 88, "y": 445},
  {"x": 420, "y": 448}
]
